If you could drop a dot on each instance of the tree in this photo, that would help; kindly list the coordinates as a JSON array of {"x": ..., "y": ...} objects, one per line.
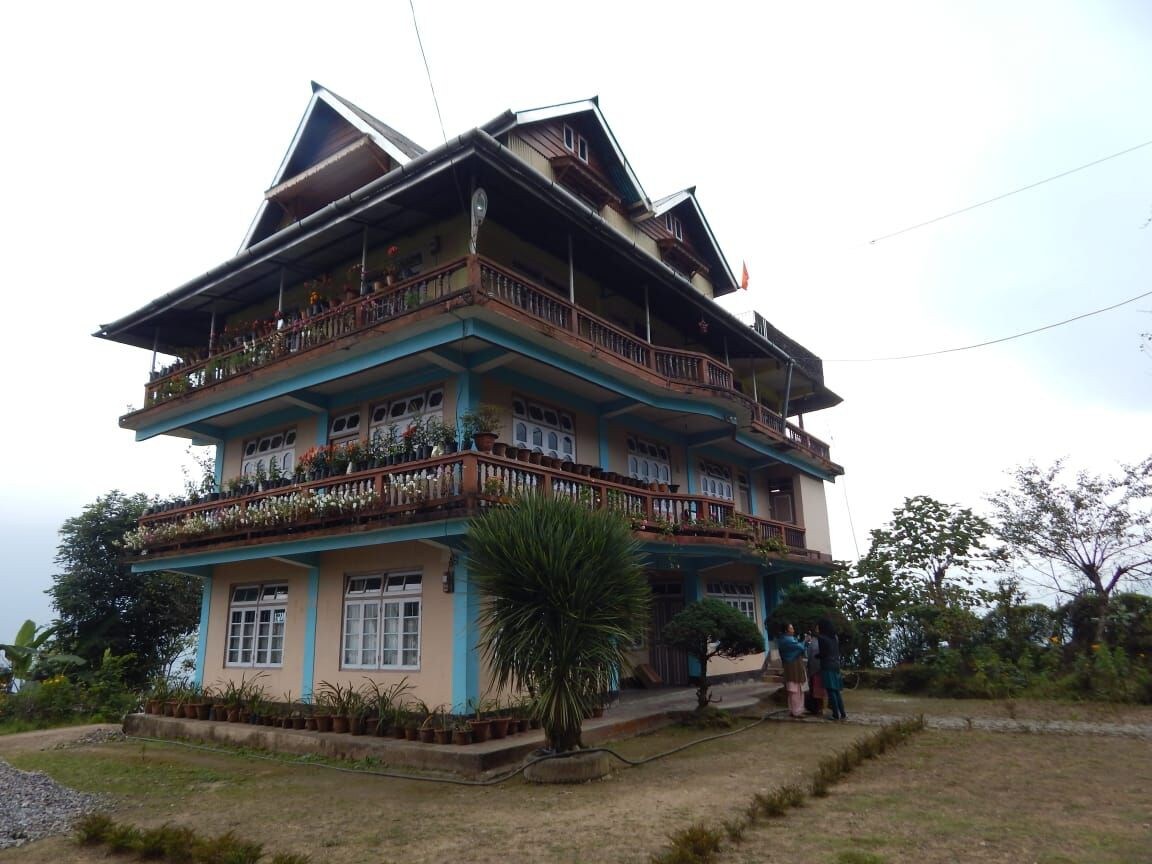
[
  {"x": 564, "y": 597},
  {"x": 1087, "y": 537},
  {"x": 932, "y": 548},
  {"x": 711, "y": 628},
  {"x": 803, "y": 606},
  {"x": 102, "y": 605}
]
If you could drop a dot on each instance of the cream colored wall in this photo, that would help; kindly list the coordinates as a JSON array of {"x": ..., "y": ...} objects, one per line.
[
  {"x": 735, "y": 573},
  {"x": 704, "y": 285},
  {"x": 587, "y": 433},
  {"x": 225, "y": 577},
  {"x": 432, "y": 682},
  {"x": 307, "y": 428},
  {"x": 812, "y": 507}
]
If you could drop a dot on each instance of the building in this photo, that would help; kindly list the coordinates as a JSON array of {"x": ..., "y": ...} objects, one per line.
[{"x": 384, "y": 294}]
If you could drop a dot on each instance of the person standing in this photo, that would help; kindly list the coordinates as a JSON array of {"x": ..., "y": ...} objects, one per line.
[
  {"x": 792, "y": 657},
  {"x": 829, "y": 647},
  {"x": 815, "y": 701}
]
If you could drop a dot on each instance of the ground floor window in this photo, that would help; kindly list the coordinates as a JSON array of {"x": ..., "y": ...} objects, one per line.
[
  {"x": 738, "y": 595},
  {"x": 256, "y": 619},
  {"x": 382, "y": 621}
]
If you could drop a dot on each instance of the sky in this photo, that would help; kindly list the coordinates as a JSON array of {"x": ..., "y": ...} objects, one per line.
[{"x": 138, "y": 139}]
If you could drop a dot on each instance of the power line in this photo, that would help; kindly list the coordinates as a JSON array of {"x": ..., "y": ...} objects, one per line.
[
  {"x": 427, "y": 70},
  {"x": 995, "y": 341},
  {"x": 1008, "y": 194}
]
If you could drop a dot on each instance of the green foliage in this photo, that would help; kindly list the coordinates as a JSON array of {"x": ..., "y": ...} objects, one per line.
[
  {"x": 696, "y": 844},
  {"x": 1090, "y": 534},
  {"x": 803, "y": 605},
  {"x": 711, "y": 628},
  {"x": 101, "y": 696},
  {"x": 564, "y": 595},
  {"x": 173, "y": 844},
  {"x": 103, "y": 605},
  {"x": 31, "y": 656}
]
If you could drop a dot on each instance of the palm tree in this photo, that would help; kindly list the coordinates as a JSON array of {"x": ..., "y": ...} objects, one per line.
[{"x": 564, "y": 598}]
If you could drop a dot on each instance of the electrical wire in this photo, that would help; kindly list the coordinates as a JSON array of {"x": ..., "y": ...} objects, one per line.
[
  {"x": 427, "y": 70},
  {"x": 456, "y": 781},
  {"x": 994, "y": 341},
  {"x": 1008, "y": 194}
]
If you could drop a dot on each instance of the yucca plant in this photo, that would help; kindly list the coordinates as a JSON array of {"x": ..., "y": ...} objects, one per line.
[{"x": 564, "y": 596}]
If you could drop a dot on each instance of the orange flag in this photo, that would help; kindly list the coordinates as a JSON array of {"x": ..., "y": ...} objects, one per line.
[{"x": 744, "y": 276}]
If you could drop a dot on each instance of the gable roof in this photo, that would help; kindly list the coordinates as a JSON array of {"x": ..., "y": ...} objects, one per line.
[
  {"x": 722, "y": 278},
  {"x": 621, "y": 172},
  {"x": 326, "y": 110}
]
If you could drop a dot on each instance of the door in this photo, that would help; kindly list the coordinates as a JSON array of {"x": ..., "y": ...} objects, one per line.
[{"x": 670, "y": 663}]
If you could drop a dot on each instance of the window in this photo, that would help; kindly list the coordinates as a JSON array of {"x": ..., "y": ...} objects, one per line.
[
  {"x": 575, "y": 142},
  {"x": 543, "y": 429},
  {"x": 260, "y": 453},
  {"x": 648, "y": 461},
  {"x": 256, "y": 621},
  {"x": 715, "y": 481},
  {"x": 402, "y": 410},
  {"x": 382, "y": 621},
  {"x": 344, "y": 428},
  {"x": 674, "y": 226},
  {"x": 738, "y": 595}
]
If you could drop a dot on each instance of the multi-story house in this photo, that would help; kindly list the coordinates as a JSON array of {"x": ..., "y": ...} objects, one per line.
[{"x": 384, "y": 297}]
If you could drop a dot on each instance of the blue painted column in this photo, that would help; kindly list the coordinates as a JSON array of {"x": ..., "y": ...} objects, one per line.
[
  {"x": 322, "y": 421},
  {"x": 465, "y": 400},
  {"x": 202, "y": 635},
  {"x": 219, "y": 472},
  {"x": 465, "y": 635},
  {"x": 308, "y": 661},
  {"x": 692, "y": 593},
  {"x": 602, "y": 426}
]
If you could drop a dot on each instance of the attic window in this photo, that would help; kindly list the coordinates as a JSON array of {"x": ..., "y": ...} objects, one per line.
[
  {"x": 674, "y": 227},
  {"x": 578, "y": 144}
]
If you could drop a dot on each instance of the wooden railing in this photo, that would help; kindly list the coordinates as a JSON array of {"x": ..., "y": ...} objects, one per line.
[
  {"x": 461, "y": 484},
  {"x": 495, "y": 284},
  {"x": 311, "y": 330}
]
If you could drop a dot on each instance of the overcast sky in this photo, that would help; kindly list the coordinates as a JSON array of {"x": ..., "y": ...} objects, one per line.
[{"x": 138, "y": 139}]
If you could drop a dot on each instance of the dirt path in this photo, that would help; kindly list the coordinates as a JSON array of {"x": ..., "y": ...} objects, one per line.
[{"x": 51, "y": 739}]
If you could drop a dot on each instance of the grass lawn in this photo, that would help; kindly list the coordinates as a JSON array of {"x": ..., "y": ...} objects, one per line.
[{"x": 946, "y": 796}]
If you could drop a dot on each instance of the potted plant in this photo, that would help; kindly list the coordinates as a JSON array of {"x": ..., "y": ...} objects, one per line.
[
  {"x": 482, "y": 425},
  {"x": 461, "y": 732}
]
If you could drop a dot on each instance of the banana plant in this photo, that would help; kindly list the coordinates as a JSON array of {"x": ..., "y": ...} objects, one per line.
[{"x": 30, "y": 654}]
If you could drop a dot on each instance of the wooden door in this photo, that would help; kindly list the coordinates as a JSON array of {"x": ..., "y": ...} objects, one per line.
[{"x": 670, "y": 663}]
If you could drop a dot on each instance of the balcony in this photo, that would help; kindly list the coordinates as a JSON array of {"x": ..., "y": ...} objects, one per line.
[
  {"x": 477, "y": 282},
  {"x": 454, "y": 486}
]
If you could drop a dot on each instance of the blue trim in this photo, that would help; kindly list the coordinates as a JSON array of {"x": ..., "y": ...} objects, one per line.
[
  {"x": 388, "y": 352},
  {"x": 689, "y": 473},
  {"x": 751, "y": 492},
  {"x": 425, "y": 531},
  {"x": 691, "y": 595},
  {"x": 465, "y": 635},
  {"x": 323, "y": 420},
  {"x": 308, "y": 661},
  {"x": 390, "y": 388},
  {"x": 267, "y": 422},
  {"x": 202, "y": 636},
  {"x": 206, "y": 432},
  {"x": 218, "y": 474},
  {"x": 605, "y": 444}
]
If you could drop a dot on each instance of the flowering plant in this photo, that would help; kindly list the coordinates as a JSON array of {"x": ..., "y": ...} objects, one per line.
[{"x": 392, "y": 263}]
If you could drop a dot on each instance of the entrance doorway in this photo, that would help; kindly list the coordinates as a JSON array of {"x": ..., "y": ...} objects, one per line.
[{"x": 670, "y": 663}]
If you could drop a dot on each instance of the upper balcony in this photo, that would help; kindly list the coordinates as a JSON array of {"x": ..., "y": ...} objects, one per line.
[
  {"x": 476, "y": 287},
  {"x": 459, "y": 485}
]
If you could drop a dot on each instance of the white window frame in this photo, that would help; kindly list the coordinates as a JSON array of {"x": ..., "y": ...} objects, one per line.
[
  {"x": 533, "y": 430},
  {"x": 739, "y": 595},
  {"x": 279, "y": 445},
  {"x": 257, "y": 621},
  {"x": 393, "y": 596},
  {"x": 716, "y": 481},
  {"x": 674, "y": 225},
  {"x": 344, "y": 427},
  {"x": 576, "y": 143},
  {"x": 399, "y": 411},
  {"x": 650, "y": 461}
]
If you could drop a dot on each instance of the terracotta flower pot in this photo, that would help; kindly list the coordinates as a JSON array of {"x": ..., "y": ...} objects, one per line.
[{"x": 461, "y": 736}]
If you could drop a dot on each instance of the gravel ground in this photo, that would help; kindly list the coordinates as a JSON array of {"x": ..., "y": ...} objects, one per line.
[{"x": 33, "y": 805}]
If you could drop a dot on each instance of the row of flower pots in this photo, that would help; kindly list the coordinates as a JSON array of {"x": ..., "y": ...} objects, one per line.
[
  {"x": 534, "y": 457},
  {"x": 451, "y": 731}
]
